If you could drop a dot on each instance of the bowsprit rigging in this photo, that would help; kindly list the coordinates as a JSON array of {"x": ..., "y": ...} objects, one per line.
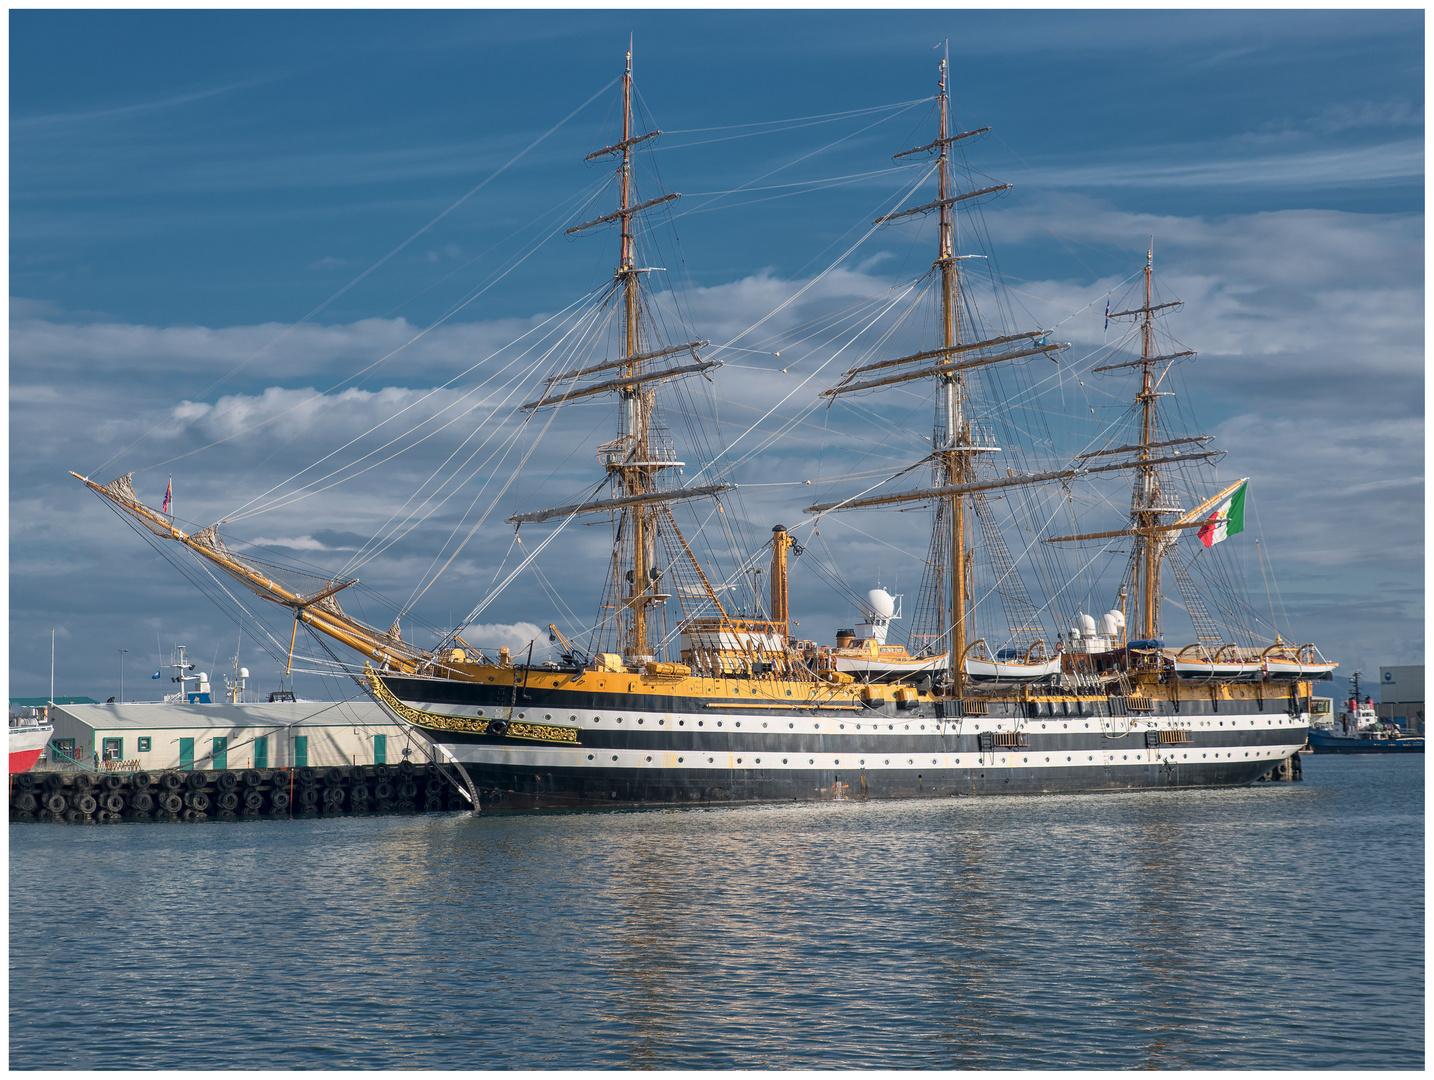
[{"x": 712, "y": 704}]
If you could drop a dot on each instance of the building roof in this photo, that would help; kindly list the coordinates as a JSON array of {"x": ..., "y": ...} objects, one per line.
[{"x": 146, "y": 716}]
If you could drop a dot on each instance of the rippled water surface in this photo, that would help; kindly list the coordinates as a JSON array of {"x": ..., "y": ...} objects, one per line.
[{"x": 1278, "y": 926}]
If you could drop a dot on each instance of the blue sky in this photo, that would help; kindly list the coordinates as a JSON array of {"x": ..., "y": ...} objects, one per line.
[{"x": 188, "y": 186}]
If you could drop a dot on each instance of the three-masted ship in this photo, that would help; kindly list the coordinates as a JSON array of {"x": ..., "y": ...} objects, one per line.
[{"x": 747, "y": 711}]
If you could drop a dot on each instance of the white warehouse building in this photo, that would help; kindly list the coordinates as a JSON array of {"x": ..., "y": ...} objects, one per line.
[{"x": 273, "y": 735}]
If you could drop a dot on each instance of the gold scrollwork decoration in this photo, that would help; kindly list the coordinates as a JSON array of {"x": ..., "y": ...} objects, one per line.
[{"x": 518, "y": 729}]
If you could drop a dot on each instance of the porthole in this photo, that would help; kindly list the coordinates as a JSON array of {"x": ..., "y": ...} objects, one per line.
[
  {"x": 590, "y": 757},
  {"x": 910, "y": 762},
  {"x": 862, "y": 762},
  {"x": 524, "y": 716},
  {"x": 838, "y": 761},
  {"x": 933, "y": 761},
  {"x": 1048, "y": 759},
  {"x": 923, "y": 727},
  {"x": 699, "y": 723},
  {"x": 759, "y": 761},
  {"x": 789, "y": 693},
  {"x": 574, "y": 719},
  {"x": 639, "y": 719},
  {"x": 841, "y": 727},
  {"x": 1025, "y": 759},
  {"x": 649, "y": 757},
  {"x": 709, "y": 761},
  {"x": 480, "y": 712},
  {"x": 679, "y": 761},
  {"x": 739, "y": 761},
  {"x": 764, "y": 723},
  {"x": 811, "y": 761},
  {"x": 619, "y": 719},
  {"x": 1067, "y": 757},
  {"x": 547, "y": 716},
  {"x": 719, "y": 723},
  {"x": 614, "y": 757},
  {"x": 887, "y": 761},
  {"x": 681, "y": 723},
  {"x": 737, "y": 724},
  {"x": 784, "y": 761},
  {"x": 596, "y": 719}
]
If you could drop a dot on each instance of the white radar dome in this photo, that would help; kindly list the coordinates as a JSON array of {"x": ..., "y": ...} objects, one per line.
[
  {"x": 881, "y": 603},
  {"x": 1087, "y": 626},
  {"x": 243, "y": 673}
]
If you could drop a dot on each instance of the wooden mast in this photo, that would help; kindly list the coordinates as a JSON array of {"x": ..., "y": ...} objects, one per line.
[
  {"x": 955, "y": 461},
  {"x": 1147, "y": 480},
  {"x": 634, "y": 478}
]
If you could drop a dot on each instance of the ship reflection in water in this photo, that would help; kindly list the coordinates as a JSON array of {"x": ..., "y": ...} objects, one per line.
[{"x": 1152, "y": 929}]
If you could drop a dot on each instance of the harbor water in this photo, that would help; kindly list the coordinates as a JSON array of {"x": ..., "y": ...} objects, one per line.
[{"x": 1275, "y": 926}]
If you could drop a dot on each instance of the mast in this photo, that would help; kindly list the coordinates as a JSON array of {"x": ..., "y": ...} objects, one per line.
[
  {"x": 955, "y": 461},
  {"x": 1147, "y": 482},
  {"x": 635, "y": 460},
  {"x": 955, "y": 455}
]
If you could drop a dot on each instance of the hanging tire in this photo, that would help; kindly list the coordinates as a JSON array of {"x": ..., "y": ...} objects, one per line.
[
  {"x": 83, "y": 782},
  {"x": 171, "y": 803},
  {"x": 112, "y": 801},
  {"x": 252, "y": 778},
  {"x": 308, "y": 797},
  {"x": 171, "y": 781},
  {"x": 24, "y": 781},
  {"x": 86, "y": 804},
  {"x": 227, "y": 781},
  {"x": 197, "y": 800},
  {"x": 74, "y": 815},
  {"x": 359, "y": 793},
  {"x": 383, "y": 791},
  {"x": 405, "y": 767},
  {"x": 26, "y": 803},
  {"x": 305, "y": 775},
  {"x": 111, "y": 782},
  {"x": 333, "y": 796},
  {"x": 228, "y": 800},
  {"x": 140, "y": 780},
  {"x": 279, "y": 800},
  {"x": 431, "y": 804},
  {"x": 253, "y": 801},
  {"x": 407, "y": 790},
  {"x": 54, "y": 781},
  {"x": 141, "y": 801},
  {"x": 381, "y": 772},
  {"x": 195, "y": 780}
]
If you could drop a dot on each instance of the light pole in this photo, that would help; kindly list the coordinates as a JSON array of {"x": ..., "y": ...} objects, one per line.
[{"x": 121, "y": 697}]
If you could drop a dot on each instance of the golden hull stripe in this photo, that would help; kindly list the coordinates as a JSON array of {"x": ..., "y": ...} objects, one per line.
[{"x": 517, "y": 729}]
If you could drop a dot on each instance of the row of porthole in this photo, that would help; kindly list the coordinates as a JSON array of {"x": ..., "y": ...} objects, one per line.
[{"x": 812, "y": 760}]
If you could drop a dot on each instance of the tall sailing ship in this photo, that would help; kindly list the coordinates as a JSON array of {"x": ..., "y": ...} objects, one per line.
[{"x": 746, "y": 710}]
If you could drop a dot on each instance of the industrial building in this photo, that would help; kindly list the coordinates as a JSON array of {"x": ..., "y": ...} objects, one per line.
[
  {"x": 1401, "y": 696},
  {"x": 156, "y": 736}
]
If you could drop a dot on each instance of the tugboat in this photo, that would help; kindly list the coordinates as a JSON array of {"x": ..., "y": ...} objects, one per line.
[{"x": 1359, "y": 730}]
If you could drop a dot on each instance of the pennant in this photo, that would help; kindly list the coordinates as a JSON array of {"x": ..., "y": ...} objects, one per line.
[
  {"x": 155, "y": 675},
  {"x": 1107, "y": 313},
  {"x": 168, "y": 493}
]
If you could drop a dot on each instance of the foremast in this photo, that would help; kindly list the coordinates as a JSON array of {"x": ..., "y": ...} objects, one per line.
[{"x": 637, "y": 461}]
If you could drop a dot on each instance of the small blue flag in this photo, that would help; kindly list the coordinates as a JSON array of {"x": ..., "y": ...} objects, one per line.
[
  {"x": 1107, "y": 314},
  {"x": 155, "y": 675}
]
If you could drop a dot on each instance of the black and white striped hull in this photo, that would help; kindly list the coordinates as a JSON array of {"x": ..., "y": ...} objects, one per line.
[{"x": 579, "y": 749}]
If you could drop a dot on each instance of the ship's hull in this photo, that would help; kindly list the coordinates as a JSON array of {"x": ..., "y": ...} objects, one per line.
[
  {"x": 1322, "y": 743},
  {"x": 548, "y": 747},
  {"x": 26, "y": 744}
]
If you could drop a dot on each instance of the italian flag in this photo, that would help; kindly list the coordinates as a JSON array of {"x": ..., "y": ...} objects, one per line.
[{"x": 1227, "y": 520}]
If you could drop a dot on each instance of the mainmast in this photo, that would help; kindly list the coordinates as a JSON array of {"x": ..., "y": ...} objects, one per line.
[{"x": 956, "y": 453}]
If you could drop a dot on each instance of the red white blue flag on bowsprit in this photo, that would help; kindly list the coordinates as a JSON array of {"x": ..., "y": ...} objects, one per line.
[{"x": 168, "y": 494}]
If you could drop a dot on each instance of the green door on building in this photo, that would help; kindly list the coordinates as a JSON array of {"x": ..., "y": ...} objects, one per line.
[
  {"x": 186, "y": 753},
  {"x": 220, "y": 753},
  {"x": 380, "y": 749},
  {"x": 261, "y": 752},
  {"x": 301, "y": 751}
]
